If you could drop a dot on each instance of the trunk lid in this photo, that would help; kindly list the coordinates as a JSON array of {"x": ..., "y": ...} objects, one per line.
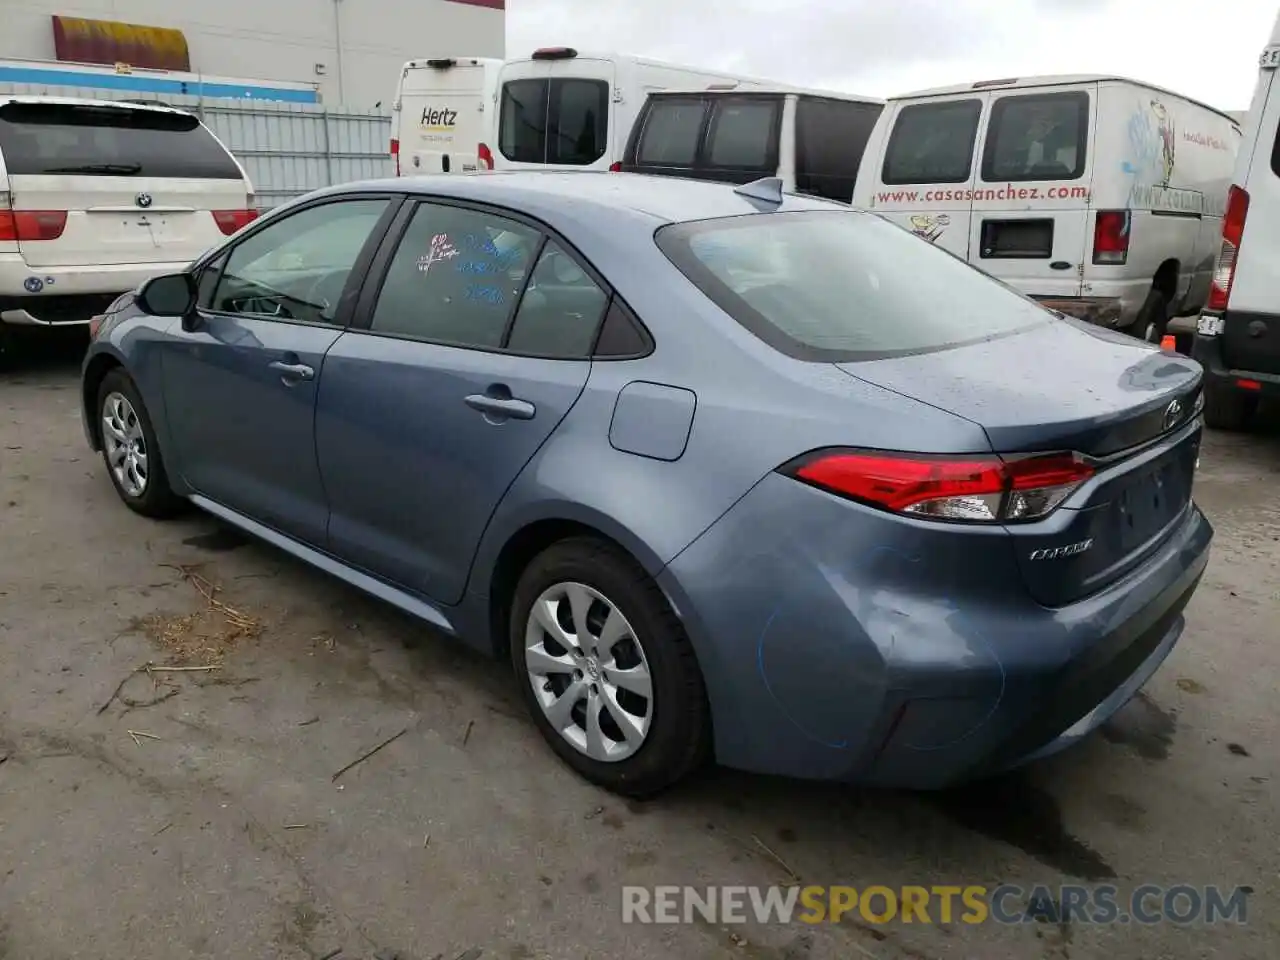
[{"x": 1066, "y": 385}]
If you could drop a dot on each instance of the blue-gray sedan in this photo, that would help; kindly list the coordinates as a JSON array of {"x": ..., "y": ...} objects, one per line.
[{"x": 722, "y": 473}]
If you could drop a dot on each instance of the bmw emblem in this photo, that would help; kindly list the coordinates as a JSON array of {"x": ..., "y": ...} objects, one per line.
[
  {"x": 33, "y": 284},
  {"x": 143, "y": 200}
]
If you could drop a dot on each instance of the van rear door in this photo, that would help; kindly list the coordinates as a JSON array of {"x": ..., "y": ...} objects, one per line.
[
  {"x": 113, "y": 183},
  {"x": 1031, "y": 202},
  {"x": 925, "y": 177},
  {"x": 556, "y": 111},
  {"x": 442, "y": 115}
]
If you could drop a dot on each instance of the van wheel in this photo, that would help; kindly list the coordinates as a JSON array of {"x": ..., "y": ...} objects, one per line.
[
  {"x": 1153, "y": 318},
  {"x": 606, "y": 669},
  {"x": 1228, "y": 409}
]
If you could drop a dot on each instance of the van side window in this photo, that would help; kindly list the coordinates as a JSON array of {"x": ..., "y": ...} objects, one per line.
[
  {"x": 743, "y": 134},
  {"x": 564, "y": 121},
  {"x": 831, "y": 136},
  {"x": 670, "y": 133},
  {"x": 1037, "y": 137},
  {"x": 932, "y": 142}
]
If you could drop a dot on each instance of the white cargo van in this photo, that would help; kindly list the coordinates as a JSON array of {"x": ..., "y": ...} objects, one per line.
[
  {"x": 559, "y": 108},
  {"x": 1237, "y": 337},
  {"x": 1100, "y": 196},
  {"x": 811, "y": 140},
  {"x": 97, "y": 196},
  {"x": 442, "y": 117}
]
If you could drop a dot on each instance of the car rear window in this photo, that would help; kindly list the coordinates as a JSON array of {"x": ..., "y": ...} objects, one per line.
[
  {"x": 52, "y": 138},
  {"x": 843, "y": 285},
  {"x": 561, "y": 121},
  {"x": 932, "y": 142},
  {"x": 1037, "y": 137}
]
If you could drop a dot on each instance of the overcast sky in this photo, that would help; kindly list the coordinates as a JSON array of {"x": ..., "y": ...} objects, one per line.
[{"x": 1206, "y": 49}]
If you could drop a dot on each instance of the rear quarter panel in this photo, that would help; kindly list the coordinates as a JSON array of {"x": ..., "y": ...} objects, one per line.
[{"x": 1169, "y": 161}]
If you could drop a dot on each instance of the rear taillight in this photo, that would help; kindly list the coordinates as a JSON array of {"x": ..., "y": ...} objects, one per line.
[
  {"x": 229, "y": 221},
  {"x": 1224, "y": 269},
  {"x": 395, "y": 154},
  {"x": 1111, "y": 237},
  {"x": 615, "y": 167},
  {"x": 27, "y": 225},
  {"x": 976, "y": 489},
  {"x": 485, "y": 156}
]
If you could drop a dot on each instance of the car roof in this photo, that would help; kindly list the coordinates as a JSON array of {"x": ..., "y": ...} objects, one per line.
[
  {"x": 549, "y": 194},
  {"x": 89, "y": 102}
]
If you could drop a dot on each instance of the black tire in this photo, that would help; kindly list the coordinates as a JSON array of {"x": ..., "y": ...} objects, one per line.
[
  {"x": 678, "y": 741},
  {"x": 1228, "y": 409},
  {"x": 157, "y": 499},
  {"x": 1152, "y": 320}
]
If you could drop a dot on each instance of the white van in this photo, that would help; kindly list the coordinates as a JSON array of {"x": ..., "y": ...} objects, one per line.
[
  {"x": 811, "y": 140},
  {"x": 562, "y": 109},
  {"x": 97, "y": 196},
  {"x": 1100, "y": 196},
  {"x": 442, "y": 118},
  {"x": 1237, "y": 337}
]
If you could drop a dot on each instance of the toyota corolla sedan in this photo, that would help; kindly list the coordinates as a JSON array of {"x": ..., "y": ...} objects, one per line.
[{"x": 722, "y": 473}]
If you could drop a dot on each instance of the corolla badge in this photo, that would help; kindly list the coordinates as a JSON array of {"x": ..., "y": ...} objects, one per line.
[
  {"x": 1058, "y": 553},
  {"x": 143, "y": 200},
  {"x": 1172, "y": 414}
]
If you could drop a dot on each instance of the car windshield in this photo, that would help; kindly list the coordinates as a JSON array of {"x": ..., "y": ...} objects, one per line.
[{"x": 843, "y": 285}]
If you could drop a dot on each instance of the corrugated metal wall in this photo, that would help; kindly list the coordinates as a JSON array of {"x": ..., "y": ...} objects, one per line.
[{"x": 287, "y": 148}]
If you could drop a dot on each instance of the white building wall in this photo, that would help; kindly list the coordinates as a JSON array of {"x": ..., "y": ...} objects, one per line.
[{"x": 359, "y": 45}]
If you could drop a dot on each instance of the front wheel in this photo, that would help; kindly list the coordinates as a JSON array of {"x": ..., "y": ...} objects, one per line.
[
  {"x": 606, "y": 670},
  {"x": 130, "y": 450}
]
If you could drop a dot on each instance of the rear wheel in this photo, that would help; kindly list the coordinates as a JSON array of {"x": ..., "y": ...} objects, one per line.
[
  {"x": 130, "y": 450},
  {"x": 606, "y": 670},
  {"x": 1153, "y": 317},
  {"x": 1228, "y": 409}
]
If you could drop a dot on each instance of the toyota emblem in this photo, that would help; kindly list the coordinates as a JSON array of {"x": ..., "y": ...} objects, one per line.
[
  {"x": 143, "y": 200},
  {"x": 1173, "y": 414}
]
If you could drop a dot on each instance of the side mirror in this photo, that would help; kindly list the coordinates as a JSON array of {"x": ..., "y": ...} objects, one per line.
[{"x": 173, "y": 295}]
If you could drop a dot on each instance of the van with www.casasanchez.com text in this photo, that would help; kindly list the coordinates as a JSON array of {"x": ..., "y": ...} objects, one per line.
[{"x": 1102, "y": 197}]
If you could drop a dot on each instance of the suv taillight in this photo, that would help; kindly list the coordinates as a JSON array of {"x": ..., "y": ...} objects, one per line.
[
  {"x": 27, "y": 225},
  {"x": 976, "y": 489},
  {"x": 229, "y": 221},
  {"x": 485, "y": 156},
  {"x": 1111, "y": 237},
  {"x": 1224, "y": 269},
  {"x": 395, "y": 154}
]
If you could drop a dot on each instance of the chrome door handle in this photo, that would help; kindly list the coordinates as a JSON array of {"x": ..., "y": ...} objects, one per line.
[
  {"x": 293, "y": 371},
  {"x": 508, "y": 407}
]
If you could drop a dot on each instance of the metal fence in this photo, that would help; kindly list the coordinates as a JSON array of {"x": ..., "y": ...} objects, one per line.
[{"x": 287, "y": 148}]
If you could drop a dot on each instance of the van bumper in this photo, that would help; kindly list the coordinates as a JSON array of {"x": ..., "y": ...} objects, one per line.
[
  {"x": 1207, "y": 351},
  {"x": 1103, "y": 311}
]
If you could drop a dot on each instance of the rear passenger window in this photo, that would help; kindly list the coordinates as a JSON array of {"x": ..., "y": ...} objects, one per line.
[
  {"x": 560, "y": 310},
  {"x": 1037, "y": 137},
  {"x": 932, "y": 143},
  {"x": 670, "y": 134},
  {"x": 831, "y": 136},
  {"x": 456, "y": 277},
  {"x": 743, "y": 134}
]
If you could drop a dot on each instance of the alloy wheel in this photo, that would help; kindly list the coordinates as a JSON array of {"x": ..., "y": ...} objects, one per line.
[{"x": 126, "y": 444}]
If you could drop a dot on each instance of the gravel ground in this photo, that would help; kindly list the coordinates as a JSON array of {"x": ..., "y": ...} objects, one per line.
[{"x": 209, "y": 824}]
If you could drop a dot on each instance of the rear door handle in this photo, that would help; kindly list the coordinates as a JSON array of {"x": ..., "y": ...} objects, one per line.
[
  {"x": 505, "y": 407},
  {"x": 293, "y": 372}
]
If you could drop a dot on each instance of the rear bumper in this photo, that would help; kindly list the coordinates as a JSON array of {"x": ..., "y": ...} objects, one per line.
[
  {"x": 1208, "y": 352},
  {"x": 61, "y": 296},
  {"x": 1103, "y": 311},
  {"x": 840, "y": 643}
]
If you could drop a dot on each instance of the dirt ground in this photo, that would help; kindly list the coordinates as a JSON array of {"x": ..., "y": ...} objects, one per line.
[{"x": 195, "y": 814}]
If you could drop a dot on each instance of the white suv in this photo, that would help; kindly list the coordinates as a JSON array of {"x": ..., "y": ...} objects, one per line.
[{"x": 97, "y": 196}]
